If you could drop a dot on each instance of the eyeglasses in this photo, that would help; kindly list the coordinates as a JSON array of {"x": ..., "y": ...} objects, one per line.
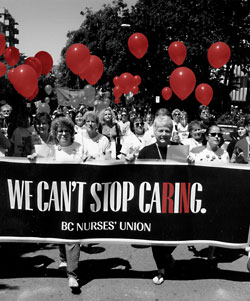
[
  {"x": 177, "y": 114},
  {"x": 215, "y": 134},
  {"x": 124, "y": 115},
  {"x": 138, "y": 124}
]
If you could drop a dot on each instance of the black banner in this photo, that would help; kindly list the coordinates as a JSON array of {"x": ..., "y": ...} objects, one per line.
[{"x": 146, "y": 202}]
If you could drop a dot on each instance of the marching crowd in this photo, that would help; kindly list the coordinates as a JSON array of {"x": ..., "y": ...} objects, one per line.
[{"x": 118, "y": 134}]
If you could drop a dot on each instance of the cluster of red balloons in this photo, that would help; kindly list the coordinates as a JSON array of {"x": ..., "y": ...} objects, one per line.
[
  {"x": 138, "y": 44},
  {"x": 24, "y": 78},
  {"x": 124, "y": 84},
  {"x": 182, "y": 82},
  {"x": 82, "y": 63},
  {"x": 182, "y": 79}
]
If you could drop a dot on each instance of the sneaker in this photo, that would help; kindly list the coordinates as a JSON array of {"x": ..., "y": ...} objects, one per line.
[
  {"x": 62, "y": 265},
  {"x": 73, "y": 282},
  {"x": 158, "y": 280}
]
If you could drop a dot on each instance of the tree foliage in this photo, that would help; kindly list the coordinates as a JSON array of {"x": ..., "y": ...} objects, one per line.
[{"x": 197, "y": 23}]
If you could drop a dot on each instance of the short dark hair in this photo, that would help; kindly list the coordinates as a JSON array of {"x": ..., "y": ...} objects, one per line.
[
  {"x": 192, "y": 124},
  {"x": 39, "y": 117},
  {"x": 132, "y": 124}
]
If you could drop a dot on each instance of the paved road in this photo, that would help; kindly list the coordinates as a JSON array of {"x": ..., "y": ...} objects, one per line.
[{"x": 122, "y": 272}]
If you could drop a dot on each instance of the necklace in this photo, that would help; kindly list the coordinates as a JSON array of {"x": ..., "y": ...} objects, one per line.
[
  {"x": 160, "y": 152},
  {"x": 139, "y": 138}
]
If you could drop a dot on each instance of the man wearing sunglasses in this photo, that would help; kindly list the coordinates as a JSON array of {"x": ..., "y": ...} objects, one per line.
[{"x": 211, "y": 152}]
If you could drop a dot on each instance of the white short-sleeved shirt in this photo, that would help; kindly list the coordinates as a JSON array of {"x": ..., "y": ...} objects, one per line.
[
  {"x": 133, "y": 145},
  {"x": 202, "y": 154},
  {"x": 73, "y": 152},
  {"x": 96, "y": 147}
]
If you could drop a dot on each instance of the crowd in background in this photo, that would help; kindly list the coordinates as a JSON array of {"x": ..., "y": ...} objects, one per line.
[{"x": 128, "y": 129}]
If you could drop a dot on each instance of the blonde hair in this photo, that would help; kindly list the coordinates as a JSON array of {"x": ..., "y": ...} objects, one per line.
[
  {"x": 92, "y": 114},
  {"x": 102, "y": 113},
  {"x": 163, "y": 120}
]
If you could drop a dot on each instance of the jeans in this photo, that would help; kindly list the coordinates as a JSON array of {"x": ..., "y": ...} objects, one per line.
[{"x": 70, "y": 253}]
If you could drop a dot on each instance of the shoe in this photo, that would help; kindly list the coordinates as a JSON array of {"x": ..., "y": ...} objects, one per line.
[
  {"x": 158, "y": 280},
  {"x": 62, "y": 265},
  {"x": 73, "y": 283}
]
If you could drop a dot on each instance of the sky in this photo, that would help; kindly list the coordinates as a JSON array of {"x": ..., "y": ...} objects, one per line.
[{"x": 43, "y": 24}]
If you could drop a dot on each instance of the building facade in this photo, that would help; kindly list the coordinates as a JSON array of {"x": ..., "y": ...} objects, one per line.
[{"x": 8, "y": 27}]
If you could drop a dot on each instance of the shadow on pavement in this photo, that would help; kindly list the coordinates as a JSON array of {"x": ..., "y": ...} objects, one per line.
[
  {"x": 15, "y": 265},
  {"x": 8, "y": 287},
  {"x": 192, "y": 269},
  {"x": 220, "y": 254}
]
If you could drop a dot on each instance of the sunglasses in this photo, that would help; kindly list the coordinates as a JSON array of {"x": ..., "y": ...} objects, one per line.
[
  {"x": 215, "y": 134},
  {"x": 139, "y": 123}
]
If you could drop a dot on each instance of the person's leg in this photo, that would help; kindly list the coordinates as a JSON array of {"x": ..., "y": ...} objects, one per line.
[
  {"x": 162, "y": 256},
  {"x": 73, "y": 255},
  {"x": 62, "y": 257}
]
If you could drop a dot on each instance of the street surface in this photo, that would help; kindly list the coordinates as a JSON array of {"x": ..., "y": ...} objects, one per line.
[{"x": 122, "y": 272}]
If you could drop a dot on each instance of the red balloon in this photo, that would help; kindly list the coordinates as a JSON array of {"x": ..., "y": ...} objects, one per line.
[
  {"x": 11, "y": 75},
  {"x": 35, "y": 63},
  {"x": 3, "y": 69},
  {"x": 11, "y": 55},
  {"x": 116, "y": 80},
  {"x": 138, "y": 44},
  {"x": 94, "y": 70},
  {"x": 126, "y": 82},
  {"x": 177, "y": 52},
  {"x": 117, "y": 91},
  {"x": 137, "y": 80},
  {"x": 46, "y": 61},
  {"x": 135, "y": 90},
  {"x": 77, "y": 58},
  {"x": 182, "y": 82},
  {"x": 166, "y": 93},
  {"x": 204, "y": 94},
  {"x": 2, "y": 43},
  {"x": 218, "y": 54},
  {"x": 117, "y": 100},
  {"x": 34, "y": 94},
  {"x": 24, "y": 79}
]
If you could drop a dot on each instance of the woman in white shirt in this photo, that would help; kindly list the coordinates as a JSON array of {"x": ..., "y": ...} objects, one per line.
[
  {"x": 80, "y": 129},
  {"x": 65, "y": 148},
  {"x": 136, "y": 140},
  {"x": 211, "y": 152},
  {"x": 196, "y": 134},
  {"x": 96, "y": 145}
]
